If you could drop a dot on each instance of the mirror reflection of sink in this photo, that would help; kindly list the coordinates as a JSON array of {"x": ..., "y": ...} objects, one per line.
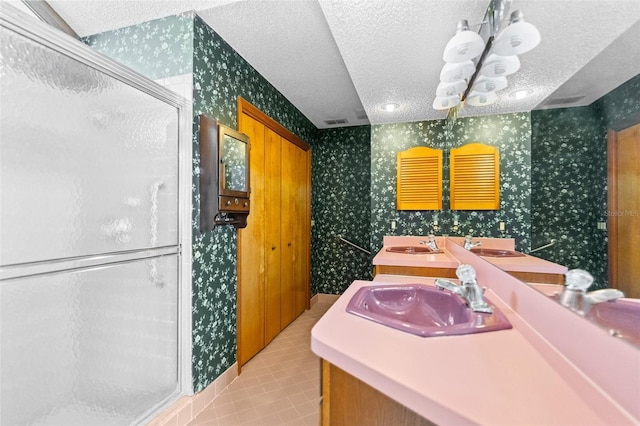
[
  {"x": 410, "y": 249},
  {"x": 487, "y": 252},
  {"x": 422, "y": 310},
  {"x": 621, "y": 318}
]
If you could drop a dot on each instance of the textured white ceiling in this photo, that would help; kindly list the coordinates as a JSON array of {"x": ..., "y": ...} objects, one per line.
[{"x": 333, "y": 57}]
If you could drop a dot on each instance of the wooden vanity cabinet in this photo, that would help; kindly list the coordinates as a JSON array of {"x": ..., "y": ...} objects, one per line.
[
  {"x": 422, "y": 271},
  {"x": 538, "y": 277},
  {"x": 415, "y": 271},
  {"x": 347, "y": 400}
]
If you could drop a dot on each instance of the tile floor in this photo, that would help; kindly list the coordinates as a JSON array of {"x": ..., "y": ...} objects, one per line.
[{"x": 279, "y": 386}]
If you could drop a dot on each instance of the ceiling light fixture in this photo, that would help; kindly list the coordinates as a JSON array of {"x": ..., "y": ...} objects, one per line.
[
  {"x": 500, "y": 66},
  {"x": 390, "y": 107},
  {"x": 518, "y": 38},
  {"x": 489, "y": 84},
  {"x": 464, "y": 45},
  {"x": 457, "y": 71},
  {"x": 481, "y": 99},
  {"x": 451, "y": 89},
  {"x": 521, "y": 94},
  {"x": 446, "y": 102},
  {"x": 482, "y": 67}
]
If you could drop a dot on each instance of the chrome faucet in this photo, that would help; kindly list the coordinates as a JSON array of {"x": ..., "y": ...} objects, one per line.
[
  {"x": 431, "y": 243},
  {"x": 575, "y": 296},
  {"x": 468, "y": 289},
  {"x": 468, "y": 244}
]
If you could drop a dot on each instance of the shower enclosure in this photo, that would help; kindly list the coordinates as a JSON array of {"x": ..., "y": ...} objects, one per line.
[{"x": 91, "y": 300}]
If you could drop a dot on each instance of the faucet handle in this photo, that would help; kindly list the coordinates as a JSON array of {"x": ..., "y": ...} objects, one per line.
[
  {"x": 578, "y": 279},
  {"x": 466, "y": 273}
]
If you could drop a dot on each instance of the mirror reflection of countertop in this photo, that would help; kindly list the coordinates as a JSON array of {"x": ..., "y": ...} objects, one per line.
[{"x": 527, "y": 263}]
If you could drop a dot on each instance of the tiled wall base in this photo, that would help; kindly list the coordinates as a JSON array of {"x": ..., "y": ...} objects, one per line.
[
  {"x": 324, "y": 298},
  {"x": 188, "y": 407}
]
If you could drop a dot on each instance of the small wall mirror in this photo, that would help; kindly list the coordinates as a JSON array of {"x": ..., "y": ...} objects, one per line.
[
  {"x": 234, "y": 166},
  {"x": 224, "y": 176}
]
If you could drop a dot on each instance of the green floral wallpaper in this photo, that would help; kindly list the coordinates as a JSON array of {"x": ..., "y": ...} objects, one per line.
[
  {"x": 341, "y": 205},
  {"x": 185, "y": 44},
  {"x": 511, "y": 133},
  {"x": 156, "y": 49},
  {"x": 220, "y": 75},
  {"x": 569, "y": 178},
  {"x": 620, "y": 103},
  {"x": 569, "y": 167}
]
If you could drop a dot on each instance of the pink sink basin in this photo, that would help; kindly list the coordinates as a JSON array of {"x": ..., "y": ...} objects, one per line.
[
  {"x": 621, "y": 318},
  {"x": 422, "y": 310},
  {"x": 487, "y": 252},
  {"x": 410, "y": 249}
]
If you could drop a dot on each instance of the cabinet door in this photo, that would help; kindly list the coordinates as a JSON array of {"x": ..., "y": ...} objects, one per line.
[
  {"x": 251, "y": 251},
  {"x": 273, "y": 249}
]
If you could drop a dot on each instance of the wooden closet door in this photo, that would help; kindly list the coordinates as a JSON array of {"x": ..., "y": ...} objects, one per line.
[
  {"x": 251, "y": 251},
  {"x": 289, "y": 219},
  {"x": 295, "y": 233},
  {"x": 302, "y": 240},
  {"x": 274, "y": 246}
]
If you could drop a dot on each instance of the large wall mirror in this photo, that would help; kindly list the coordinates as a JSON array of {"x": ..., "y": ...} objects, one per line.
[{"x": 224, "y": 175}]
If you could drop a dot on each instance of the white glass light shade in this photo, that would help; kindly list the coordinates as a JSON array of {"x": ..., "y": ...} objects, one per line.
[
  {"x": 445, "y": 102},
  {"x": 518, "y": 38},
  {"x": 497, "y": 66},
  {"x": 464, "y": 46},
  {"x": 456, "y": 72},
  {"x": 451, "y": 89},
  {"x": 481, "y": 99},
  {"x": 489, "y": 84}
]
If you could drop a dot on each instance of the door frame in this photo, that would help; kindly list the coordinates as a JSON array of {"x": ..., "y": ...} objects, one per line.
[{"x": 612, "y": 193}]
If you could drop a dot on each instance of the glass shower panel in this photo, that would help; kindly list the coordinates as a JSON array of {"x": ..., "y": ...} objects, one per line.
[
  {"x": 88, "y": 347},
  {"x": 88, "y": 164}
]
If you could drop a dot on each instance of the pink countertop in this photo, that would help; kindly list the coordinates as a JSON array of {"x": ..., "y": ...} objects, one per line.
[
  {"x": 539, "y": 372},
  {"x": 447, "y": 260},
  {"x": 437, "y": 260},
  {"x": 485, "y": 378}
]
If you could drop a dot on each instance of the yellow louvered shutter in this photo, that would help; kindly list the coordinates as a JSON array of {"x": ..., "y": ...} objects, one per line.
[
  {"x": 419, "y": 179},
  {"x": 475, "y": 177}
]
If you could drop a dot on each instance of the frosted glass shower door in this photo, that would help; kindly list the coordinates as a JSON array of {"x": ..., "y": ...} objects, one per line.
[
  {"x": 90, "y": 237},
  {"x": 89, "y": 347},
  {"x": 89, "y": 164}
]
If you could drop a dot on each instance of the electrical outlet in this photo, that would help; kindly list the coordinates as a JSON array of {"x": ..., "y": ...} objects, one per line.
[
  {"x": 502, "y": 226},
  {"x": 393, "y": 225}
]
